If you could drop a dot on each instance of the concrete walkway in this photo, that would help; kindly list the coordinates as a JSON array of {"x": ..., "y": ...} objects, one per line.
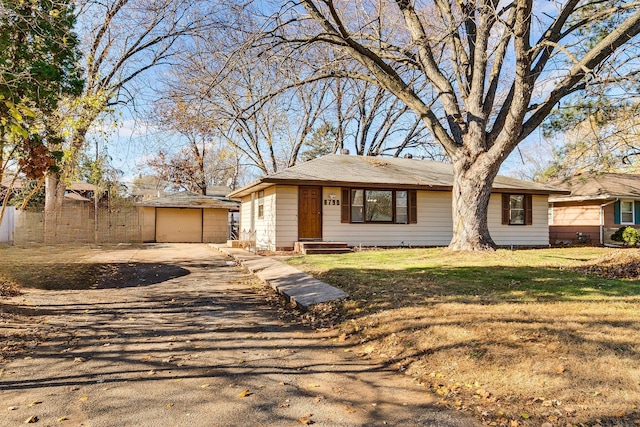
[{"x": 299, "y": 287}]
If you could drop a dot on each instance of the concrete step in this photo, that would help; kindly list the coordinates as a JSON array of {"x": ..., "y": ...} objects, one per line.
[
  {"x": 303, "y": 246},
  {"x": 317, "y": 251}
]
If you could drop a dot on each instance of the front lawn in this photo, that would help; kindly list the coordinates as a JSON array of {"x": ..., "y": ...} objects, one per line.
[{"x": 517, "y": 337}]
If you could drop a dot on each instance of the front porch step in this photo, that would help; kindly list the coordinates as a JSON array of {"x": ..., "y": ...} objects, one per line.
[
  {"x": 318, "y": 251},
  {"x": 308, "y": 248}
]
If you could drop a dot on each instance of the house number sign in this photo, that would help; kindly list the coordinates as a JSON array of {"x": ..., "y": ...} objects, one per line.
[{"x": 332, "y": 202}]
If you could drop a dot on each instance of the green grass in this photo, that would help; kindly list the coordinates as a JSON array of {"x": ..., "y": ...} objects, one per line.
[
  {"x": 499, "y": 334},
  {"x": 496, "y": 277}
]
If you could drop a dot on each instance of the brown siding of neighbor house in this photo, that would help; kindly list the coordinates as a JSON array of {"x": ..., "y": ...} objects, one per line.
[{"x": 577, "y": 213}]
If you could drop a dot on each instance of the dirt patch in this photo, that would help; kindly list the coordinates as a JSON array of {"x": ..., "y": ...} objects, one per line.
[{"x": 83, "y": 276}]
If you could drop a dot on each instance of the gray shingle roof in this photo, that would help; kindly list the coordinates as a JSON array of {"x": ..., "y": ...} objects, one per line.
[
  {"x": 186, "y": 199},
  {"x": 599, "y": 186},
  {"x": 344, "y": 170}
]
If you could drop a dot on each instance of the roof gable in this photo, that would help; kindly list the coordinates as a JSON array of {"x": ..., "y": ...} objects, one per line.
[{"x": 600, "y": 186}]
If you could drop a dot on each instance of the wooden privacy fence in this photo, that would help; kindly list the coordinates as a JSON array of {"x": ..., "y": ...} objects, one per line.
[{"x": 119, "y": 223}]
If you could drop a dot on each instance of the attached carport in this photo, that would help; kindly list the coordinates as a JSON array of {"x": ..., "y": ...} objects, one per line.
[{"x": 186, "y": 217}]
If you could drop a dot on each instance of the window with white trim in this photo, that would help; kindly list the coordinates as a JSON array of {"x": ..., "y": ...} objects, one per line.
[{"x": 626, "y": 212}]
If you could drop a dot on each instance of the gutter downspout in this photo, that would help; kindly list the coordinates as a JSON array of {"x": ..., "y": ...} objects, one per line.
[{"x": 602, "y": 206}]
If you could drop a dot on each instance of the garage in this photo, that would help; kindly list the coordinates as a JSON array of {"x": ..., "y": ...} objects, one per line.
[
  {"x": 186, "y": 217},
  {"x": 178, "y": 225}
]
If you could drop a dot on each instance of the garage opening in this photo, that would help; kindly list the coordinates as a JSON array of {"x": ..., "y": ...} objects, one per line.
[{"x": 178, "y": 225}]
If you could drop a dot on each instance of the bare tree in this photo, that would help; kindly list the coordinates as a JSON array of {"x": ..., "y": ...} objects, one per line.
[
  {"x": 375, "y": 123},
  {"x": 123, "y": 40},
  {"x": 202, "y": 160},
  {"x": 253, "y": 102},
  {"x": 493, "y": 71}
]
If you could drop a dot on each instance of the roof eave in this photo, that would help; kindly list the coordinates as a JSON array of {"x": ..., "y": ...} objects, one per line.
[
  {"x": 268, "y": 181},
  {"x": 249, "y": 188},
  {"x": 597, "y": 197}
]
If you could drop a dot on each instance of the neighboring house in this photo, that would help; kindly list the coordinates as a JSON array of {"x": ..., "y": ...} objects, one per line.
[
  {"x": 597, "y": 206},
  {"x": 77, "y": 191},
  {"x": 372, "y": 201},
  {"x": 186, "y": 217}
]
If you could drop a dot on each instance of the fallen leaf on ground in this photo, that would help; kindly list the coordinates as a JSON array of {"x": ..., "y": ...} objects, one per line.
[
  {"x": 32, "y": 419},
  {"x": 84, "y": 398},
  {"x": 79, "y": 359},
  {"x": 204, "y": 386},
  {"x": 12, "y": 408},
  {"x": 244, "y": 393},
  {"x": 306, "y": 419},
  {"x": 35, "y": 402},
  {"x": 61, "y": 419},
  {"x": 313, "y": 385},
  {"x": 350, "y": 409}
]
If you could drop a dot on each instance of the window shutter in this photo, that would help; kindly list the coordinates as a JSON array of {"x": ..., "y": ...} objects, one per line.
[
  {"x": 345, "y": 208},
  {"x": 413, "y": 207},
  {"x": 528, "y": 209},
  {"x": 636, "y": 212},
  {"x": 505, "y": 209},
  {"x": 616, "y": 212}
]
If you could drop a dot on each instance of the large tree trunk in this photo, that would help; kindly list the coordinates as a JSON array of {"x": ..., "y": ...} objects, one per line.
[
  {"x": 472, "y": 185},
  {"x": 54, "y": 195}
]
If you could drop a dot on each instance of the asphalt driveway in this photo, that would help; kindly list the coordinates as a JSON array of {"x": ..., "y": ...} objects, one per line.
[{"x": 191, "y": 342}]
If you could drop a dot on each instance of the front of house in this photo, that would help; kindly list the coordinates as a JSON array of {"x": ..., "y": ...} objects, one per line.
[{"x": 388, "y": 202}]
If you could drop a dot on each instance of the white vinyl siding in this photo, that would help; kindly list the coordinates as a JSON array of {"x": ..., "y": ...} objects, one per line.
[
  {"x": 433, "y": 227},
  {"x": 286, "y": 216},
  {"x": 266, "y": 225},
  {"x": 244, "y": 228},
  {"x": 279, "y": 227},
  {"x": 536, "y": 234}
]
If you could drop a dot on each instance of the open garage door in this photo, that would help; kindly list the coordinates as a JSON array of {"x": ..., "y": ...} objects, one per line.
[{"x": 178, "y": 225}]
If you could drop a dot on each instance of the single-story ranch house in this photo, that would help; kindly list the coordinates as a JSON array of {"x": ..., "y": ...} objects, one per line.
[
  {"x": 372, "y": 201},
  {"x": 598, "y": 204},
  {"x": 186, "y": 217}
]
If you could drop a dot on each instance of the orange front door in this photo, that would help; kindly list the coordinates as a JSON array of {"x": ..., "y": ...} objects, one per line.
[{"x": 310, "y": 212}]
